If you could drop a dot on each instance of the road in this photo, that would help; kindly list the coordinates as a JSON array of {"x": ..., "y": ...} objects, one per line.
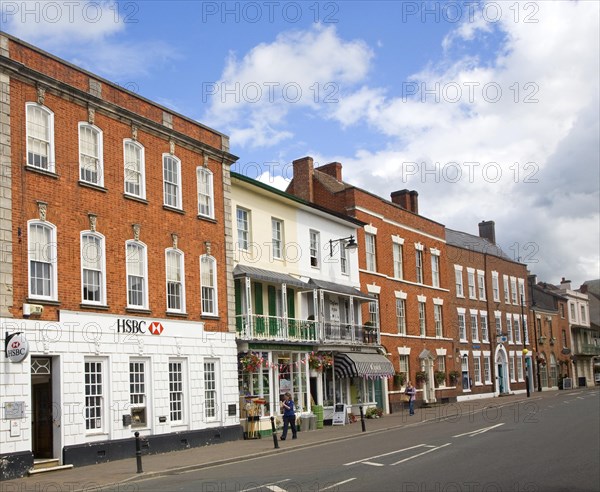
[{"x": 551, "y": 442}]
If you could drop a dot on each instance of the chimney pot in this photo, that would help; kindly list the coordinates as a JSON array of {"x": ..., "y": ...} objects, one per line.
[{"x": 333, "y": 169}]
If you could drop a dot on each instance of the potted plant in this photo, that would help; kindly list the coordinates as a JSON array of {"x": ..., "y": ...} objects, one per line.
[
  {"x": 454, "y": 376},
  {"x": 440, "y": 377},
  {"x": 399, "y": 379},
  {"x": 319, "y": 361},
  {"x": 421, "y": 377}
]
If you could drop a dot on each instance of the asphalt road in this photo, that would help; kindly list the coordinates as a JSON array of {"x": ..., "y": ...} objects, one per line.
[{"x": 550, "y": 442}]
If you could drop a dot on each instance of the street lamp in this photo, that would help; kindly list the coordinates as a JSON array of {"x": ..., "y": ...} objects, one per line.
[
  {"x": 525, "y": 351},
  {"x": 351, "y": 244}
]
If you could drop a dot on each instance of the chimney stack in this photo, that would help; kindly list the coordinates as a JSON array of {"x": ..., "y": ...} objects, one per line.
[
  {"x": 565, "y": 284},
  {"x": 402, "y": 198},
  {"x": 487, "y": 230},
  {"x": 303, "y": 179},
  {"x": 333, "y": 169},
  {"x": 414, "y": 201}
]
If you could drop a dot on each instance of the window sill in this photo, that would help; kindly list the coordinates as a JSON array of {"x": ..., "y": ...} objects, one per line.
[
  {"x": 92, "y": 186},
  {"x": 102, "y": 307},
  {"x": 210, "y": 316},
  {"x": 173, "y": 209},
  {"x": 138, "y": 310},
  {"x": 44, "y": 172},
  {"x": 46, "y": 302},
  {"x": 176, "y": 315},
  {"x": 207, "y": 219},
  {"x": 135, "y": 198}
]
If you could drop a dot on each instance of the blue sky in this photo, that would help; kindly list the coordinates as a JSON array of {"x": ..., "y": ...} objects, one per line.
[{"x": 488, "y": 109}]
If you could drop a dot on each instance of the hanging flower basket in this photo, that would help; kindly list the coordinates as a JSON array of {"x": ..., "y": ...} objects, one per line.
[
  {"x": 421, "y": 377},
  {"x": 440, "y": 377},
  {"x": 319, "y": 361},
  {"x": 454, "y": 376},
  {"x": 399, "y": 379},
  {"x": 251, "y": 362}
]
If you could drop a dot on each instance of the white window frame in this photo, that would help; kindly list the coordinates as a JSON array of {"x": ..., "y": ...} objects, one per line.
[
  {"x": 177, "y": 386},
  {"x": 101, "y": 267},
  {"x": 439, "y": 320},
  {"x": 397, "y": 251},
  {"x": 370, "y": 252},
  {"x": 485, "y": 330},
  {"x": 344, "y": 259},
  {"x": 211, "y": 412},
  {"x": 314, "y": 248},
  {"x": 441, "y": 365},
  {"x": 419, "y": 276},
  {"x": 95, "y": 391},
  {"x": 458, "y": 281},
  {"x": 520, "y": 374},
  {"x": 506, "y": 289},
  {"x": 511, "y": 368},
  {"x": 487, "y": 375},
  {"x": 435, "y": 270},
  {"x": 513, "y": 291},
  {"x": 137, "y": 168},
  {"x": 498, "y": 322},
  {"x": 401, "y": 316},
  {"x": 509, "y": 328},
  {"x": 495, "y": 287},
  {"x": 477, "y": 370},
  {"x": 583, "y": 314},
  {"x": 212, "y": 289},
  {"x": 517, "y": 328},
  {"x": 168, "y": 195},
  {"x": 47, "y": 141},
  {"x": 422, "y": 319},
  {"x": 481, "y": 285},
  {"x": 474, "y": 326},
  {"x": 462, "y": 326},
  {"x": 404, "y": 365},
  {"x": 141, "y": 395},
  {"x": 144, "y": 266},
  {"x": 277, "y": 238},
  {"x": 206, "y": 192},
  {"x": 243, "y": 227},
  {"x": 169, "y": 279},
  {"x": 46, "y": 252},
  {"x": 471, "y": 283},
  {"x": 83, "y": 156}
]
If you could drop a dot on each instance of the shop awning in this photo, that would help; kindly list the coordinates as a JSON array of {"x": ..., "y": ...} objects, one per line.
[
  {"x": 362, "y": 365},
  {"x": 268, "y": 276}
]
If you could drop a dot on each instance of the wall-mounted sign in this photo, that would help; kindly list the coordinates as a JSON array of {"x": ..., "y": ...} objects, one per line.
[
  {"x": 17, "y": 347},
  {"x": 14, "y": 410}
]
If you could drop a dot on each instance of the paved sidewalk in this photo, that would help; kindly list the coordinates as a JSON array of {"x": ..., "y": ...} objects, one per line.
[{"x": 122, "y": 475}]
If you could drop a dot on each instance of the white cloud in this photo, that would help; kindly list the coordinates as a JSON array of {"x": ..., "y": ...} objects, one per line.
[
  {"x": 85, "y": 32},
  {"x": 300, "y": 69},
  {"x": 542, "y": 132}
]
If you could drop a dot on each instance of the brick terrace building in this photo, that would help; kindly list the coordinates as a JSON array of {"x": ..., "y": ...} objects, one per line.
[
  {"x": 489, "y": 309},
  {"x": 550, "y": 334},
  {"x": 402, "y": 261},
  {"x": 115, "y": 225}
]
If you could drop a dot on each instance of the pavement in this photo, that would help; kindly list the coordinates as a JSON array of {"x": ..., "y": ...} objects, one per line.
[{"x": 122, "y": 475}]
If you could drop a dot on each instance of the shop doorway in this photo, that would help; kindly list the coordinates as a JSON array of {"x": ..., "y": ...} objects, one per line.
[{"x": 41, "y": 404}]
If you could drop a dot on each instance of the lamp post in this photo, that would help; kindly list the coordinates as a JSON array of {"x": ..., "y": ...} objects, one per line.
[
  {"x": 525, "y": 351},
  {"x": 351, "y": 244}
]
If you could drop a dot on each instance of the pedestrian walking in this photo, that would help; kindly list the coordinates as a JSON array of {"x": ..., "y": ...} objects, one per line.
[
  {"x": 289, "y": 416},
  {"x": 411, "y": 392}
]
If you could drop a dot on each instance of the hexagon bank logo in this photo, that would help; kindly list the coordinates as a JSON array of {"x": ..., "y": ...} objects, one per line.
[{"x": 155, "y": 328}]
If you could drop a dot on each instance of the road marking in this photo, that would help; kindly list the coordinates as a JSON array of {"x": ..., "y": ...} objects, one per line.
[
  {"x": 478, "y": 431},
  {"x": 271, "y": 486},
  {"x": 385, "y": 454},
  {"x": 338, "y": 484},
  {"x": 372, "y": 464},
  {"x": 420, "y": 454},
  {"x": 580, "y": 398}
]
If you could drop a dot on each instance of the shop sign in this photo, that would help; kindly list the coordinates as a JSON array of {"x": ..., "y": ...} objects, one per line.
[
  {"x": 17, "y": 347},
  {"x": 138, "y": 327}
]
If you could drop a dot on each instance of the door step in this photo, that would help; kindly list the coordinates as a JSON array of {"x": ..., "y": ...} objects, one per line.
[{"x": 43, "y": 466}]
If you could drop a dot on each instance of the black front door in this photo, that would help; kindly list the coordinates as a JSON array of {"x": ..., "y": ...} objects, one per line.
[{"x": 42, "y": 418}]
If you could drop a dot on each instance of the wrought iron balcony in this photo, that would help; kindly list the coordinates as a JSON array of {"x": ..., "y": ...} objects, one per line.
[{"x": 588, "y": 349}]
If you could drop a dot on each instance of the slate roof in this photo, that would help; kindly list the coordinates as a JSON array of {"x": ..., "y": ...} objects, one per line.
[{"x": 474, "y": 243}]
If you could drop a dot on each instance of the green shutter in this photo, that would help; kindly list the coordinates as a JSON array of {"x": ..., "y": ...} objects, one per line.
[
  {"x": 238, "y": 305},
  {"x": 291, "y": 312},
  {"x": 272, "y": 299},
  {"x": 258, "y": 308}
]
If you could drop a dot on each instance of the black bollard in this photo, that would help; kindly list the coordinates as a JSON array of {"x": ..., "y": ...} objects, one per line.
[
  {"x": 362, "y": 419},
  {"x": 138, "y": 452},
  {"x": 275, "y": 442}
]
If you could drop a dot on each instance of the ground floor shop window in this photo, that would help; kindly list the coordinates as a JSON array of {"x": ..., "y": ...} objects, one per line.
[
  {"x": 176, "y": 390},
  {"x": 137, "y": 392},
  {"x": 94, "y": 395},
  {"x": 210, "y": 390}
]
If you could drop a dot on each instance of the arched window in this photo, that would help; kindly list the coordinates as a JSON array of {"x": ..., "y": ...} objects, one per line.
[
  {"x": 208, "y": 284},
  {"x": 40, "y": 137},
  {"x": 93, "y": 268},
  {"x": 135, "y": 168},
  {"x": 175, "y": 280},
  {"x": 90, "y": 154},
  {"x": 137, "y": 275},
  {"x": 41, "y": 244},
  {"x": 205, "y": 192}
]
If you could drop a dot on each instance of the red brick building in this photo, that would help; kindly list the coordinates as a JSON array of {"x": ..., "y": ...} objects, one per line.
[
  {"x": 115, "y": 229},
  {"x": 402, "y": 261},
  {"x": 489, "y": 309}
]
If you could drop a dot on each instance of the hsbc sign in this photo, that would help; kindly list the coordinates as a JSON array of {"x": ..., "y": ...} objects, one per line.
[
  {"x": 17, "y": 347},
  {"x": 139, "y": 327}
]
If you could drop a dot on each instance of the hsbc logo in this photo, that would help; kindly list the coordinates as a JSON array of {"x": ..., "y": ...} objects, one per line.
[
  {"x": 138, "y": 327},
  {"x": 155, "y": 328}
]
